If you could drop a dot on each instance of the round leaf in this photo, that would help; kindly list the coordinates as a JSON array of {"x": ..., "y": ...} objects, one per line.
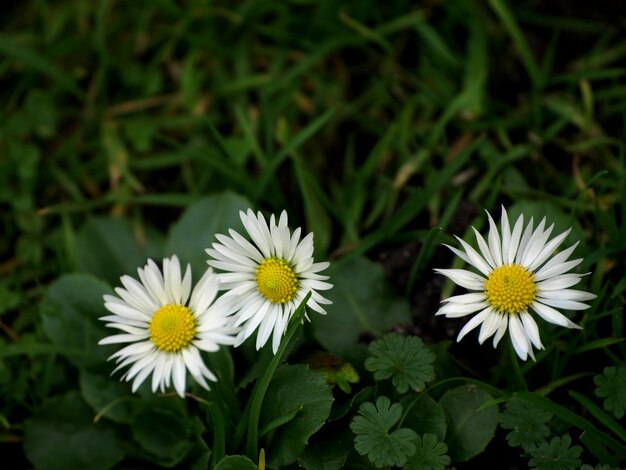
[
  {"x": 195, "y": 230},
  {"x": 363, "y": 302},
  {"x": 62, "y": 435},
  {"x": 70, "y": 312},
  {"x": 294, "y": 388},
  {"x": 469, "y": 430}
]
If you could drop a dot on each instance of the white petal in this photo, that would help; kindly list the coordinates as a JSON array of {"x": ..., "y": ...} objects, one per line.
[
  {"x": 459, "y": 253},
  {"x": 566, "y": 304},
  {"x": 266, "y": 327},
  {"x": 464, "y": 278},
  {"x": 185, "y": 287},
  {"x": 557, "y": 269},
  {"x": 536, "y": 243},
  {"x": 528, "y": 231},
  {"x": 466, "y": 298},
  {"x": 475, "y": 259},
  {"x": 532, "y": 331},
  {"x": 566, "y": 294},
  {"x": 503, "y": 322},
  {"x": 553, "y": 316},
  {"x": 484, "y": 248},
  {"x": 506, "y": 235},
  {"x": 515, "y": 240},
  {"x": 489, "y": 327},
  {"x": 547, "y": 250},
  {"x": 474, "y": 322},
  {"x": 559, "y": 282},
  {"x": 495, "y": 246},
  {"x": 125, "y": 338},
  {"x": 178, "y": 375},
  {"x": 454, "y": 310},
  {"x": 520, "y": 341}
]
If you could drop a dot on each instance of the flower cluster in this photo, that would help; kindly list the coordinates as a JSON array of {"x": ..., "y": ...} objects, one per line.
[
  {"x": 164, "y": 323},
  {"x": 259, "y": 282}
]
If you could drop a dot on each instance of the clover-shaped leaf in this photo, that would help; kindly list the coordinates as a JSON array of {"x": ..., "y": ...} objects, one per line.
[
  {"x": 555, "y": 455},
  {"x": 526, "y": 422},
  {"x": 612, "y": 387},
  {"x": 405, "y": 358},
  {"x": 373, "y": 436},
  {"x": 430, "y": 454}
]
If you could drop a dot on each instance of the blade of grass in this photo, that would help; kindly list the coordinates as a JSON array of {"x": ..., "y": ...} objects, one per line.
[
  {"x": 599, "y": 414},
  {"x": 510, "y": 24},
  {"x": 269, "y": 170},
  {"x": 11, "y": 48}
]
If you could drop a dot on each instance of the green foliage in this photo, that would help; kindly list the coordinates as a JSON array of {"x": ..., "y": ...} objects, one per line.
[
  {"x": 334, "y": 370},
  {"x": 294, "y": 389},
  {"x": 611, "y": 385},
  {"x": 139, "y": 129},
  {"x": 558, "y": 454},
  {"x": 363, "y": 303},
  {"x": 425, "y": 416},
  {"x": 430, "y": 454},
  {"x": 470, "y": 429},
  {"x": 62, "y": 435},
  {"x": 196, "y": 228},
  {"x": 236, "y": 462},
  {"x": 405, "y": 358},
  {"x": 109, "y": 248},
  {"x": 69, "y": 313},
  {"x": 374, "y": 437},
  {"x": 526, "y": 422}
]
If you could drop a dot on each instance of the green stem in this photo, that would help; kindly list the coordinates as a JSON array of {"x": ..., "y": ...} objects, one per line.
[
  {"x": 258, "y": 394},
  {"x": 219, "y": 435},
  {"x": 517, "y": 371}
]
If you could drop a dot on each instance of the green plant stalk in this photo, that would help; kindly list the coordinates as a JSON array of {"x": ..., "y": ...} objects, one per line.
[
  {"x": 219, "y": 435},
  {"x": 258, "y": 394},
  {"x": 517, "y": 371}
]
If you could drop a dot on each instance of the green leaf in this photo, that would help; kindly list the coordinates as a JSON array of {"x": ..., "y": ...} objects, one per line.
[
  {"x": 363, "y": 303},
  {"x": 108, "y": 248},
  {"x": 236, "y": 462},
  {"x": 425, "y": 415},
  {"x": 405, "y": 358},
  {"x": 334, "y": 370},
  {"x": 431, "y": 454},
  {"x": 611, "y": 385},
  {"x": 469, "y": 430},
  {"x": 164, "y": 433},
  {"x": 373, "y": 436},
  {"x": 294, "y": 388},
  {"x": 108, "y": 397},
  {"x": 70, "y": 311},
  {"x": 328, "y": 449},
  {"x": 526, "y": 421},
  {"x": 555, "y": 455},
  {"x": 195, "y": 230},
  {"x": 62, "y": 435}
]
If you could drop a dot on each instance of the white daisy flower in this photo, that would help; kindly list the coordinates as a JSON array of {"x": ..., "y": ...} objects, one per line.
[
  {"x": 167, "y": 327},
  {"x": 269, "y": 278},
  {"x": 518, "y": 273}
]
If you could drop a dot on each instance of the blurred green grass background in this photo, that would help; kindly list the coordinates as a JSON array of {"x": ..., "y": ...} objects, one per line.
[{"x": 370, "y": 122}]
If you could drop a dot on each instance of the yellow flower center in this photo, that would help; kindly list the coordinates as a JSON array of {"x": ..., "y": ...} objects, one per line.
[
  {"x": 172, "y": 327},
  {"x": 510, "y": 289},
  {"x": 276, "y": 280}
]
